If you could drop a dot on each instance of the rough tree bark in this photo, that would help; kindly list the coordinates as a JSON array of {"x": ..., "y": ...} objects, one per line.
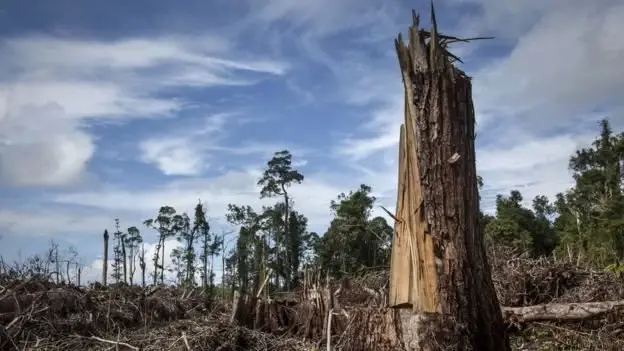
[
  {"x": 439, "y": 243},
  {"x": 105, "y": 264}
]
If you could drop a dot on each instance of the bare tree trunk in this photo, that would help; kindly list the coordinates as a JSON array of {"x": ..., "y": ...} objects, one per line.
[
  {"x": 285, "y": 260},
  {"x": 439, "y": 242},
  {"x": 105, "y": 264},
  {"x": 67, "y": 271},
  {"x": 212, "y": 287},
  {"x": 131, "y": 262},
  {"x": 162, "y": 263},
  {"x": 57, "y": 266},
  {"x": 205, "y": 262},
  {"x": 157, "y": 256},
  {"x": 223, "y": 264},
  {"x": 142, "y": 264},
  {"x": 123, "y": 254}
]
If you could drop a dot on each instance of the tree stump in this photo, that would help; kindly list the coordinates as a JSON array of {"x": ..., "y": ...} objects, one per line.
[{"x": 439, "y": 266}]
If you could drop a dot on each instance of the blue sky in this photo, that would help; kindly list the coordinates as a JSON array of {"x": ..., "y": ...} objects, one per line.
[{"x": 112, "y": 109}]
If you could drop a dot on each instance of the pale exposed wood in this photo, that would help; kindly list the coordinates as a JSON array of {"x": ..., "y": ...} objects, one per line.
[
  {"x": 236, "y": 307},
  {"x": 560, "y": 311},
  {"x": 266, "y": 279},
  {"x": 399, "y": 287},
  {"x": 412, "y": 254}
]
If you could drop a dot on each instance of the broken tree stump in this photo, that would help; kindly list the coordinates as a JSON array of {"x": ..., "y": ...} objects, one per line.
[{"x": 439, "y": 266}]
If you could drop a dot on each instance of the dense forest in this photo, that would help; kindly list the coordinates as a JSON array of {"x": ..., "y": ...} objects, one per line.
[{"x": 583, "y": 224}]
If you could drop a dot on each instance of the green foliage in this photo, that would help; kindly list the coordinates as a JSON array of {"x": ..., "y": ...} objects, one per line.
[
  {"x": 591, "y": 214},
  {"x": 586, "y": 222},
  {"x": 522, "y": 228},
  {"x": 616, "y": 268},
  {"x": 132, "y": 241},
  {"x": 353, "y": 241},
  {"x": 273, "y": 239},
  {"x": 165, "y": 226}
]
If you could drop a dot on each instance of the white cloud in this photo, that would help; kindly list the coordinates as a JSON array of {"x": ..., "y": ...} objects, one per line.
[
  {"x": 173, "y": 156},
  {"x": 323, "y": 17},
  {"x": 42, "y": 146},
  {"x": 188, "y": 150},
  {"x": 559, "y": 70},
  {"x": 50, "y": 222},
  {"x": 183, "y": 151},
  {"x": 79, "y": 56},
  {"x": 238, "y": 187},
  {"x": 50, "y": 88},
  {"x": 535, "y": 167},
  {"x": 384, "y": 126},
  {"x": 531, "y": 153}
]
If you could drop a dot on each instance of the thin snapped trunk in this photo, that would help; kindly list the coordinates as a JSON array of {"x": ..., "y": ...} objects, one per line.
[
  {"x": 156, "y": 257},
  {"x": 105, "y": 264},
  {"x": 123, "y": 255},
  {"x": 286, "y": 233},
  {"x": 142, "y": 264},
  {"x": 205, "y": 263},
  {"x": 162, "y": 263},
  {"x": 131, "y": 262}
]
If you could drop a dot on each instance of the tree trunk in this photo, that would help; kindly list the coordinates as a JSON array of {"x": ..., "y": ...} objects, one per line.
[
  {"x": 205, "y": 263},
  {"x": 162, "y": 263},
  {"x": 105, "y": 264},
  {"x": 142, "y": 264},
  {"x": 439, "y": 242},
  {"x": 123, "y": 254},
  {"x": 131, "y": 262},
  {"x": 156, "y": 257},
  {"x": 67, "y": 271},
  {"x": 223, "y": 265},
  {"x": 212, "y": 285}
]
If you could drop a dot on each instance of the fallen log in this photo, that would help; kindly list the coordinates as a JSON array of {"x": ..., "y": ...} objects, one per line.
[{"x": 560, "y": 311}]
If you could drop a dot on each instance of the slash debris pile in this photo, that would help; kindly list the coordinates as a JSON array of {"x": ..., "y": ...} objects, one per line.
[
  {"x": 40, "y": 315},
  {"x": 522, "y": 282}
]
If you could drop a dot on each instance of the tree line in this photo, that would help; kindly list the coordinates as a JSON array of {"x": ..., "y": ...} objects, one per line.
[
  {"x": 273, "y": 240},
  {"x": 585, "y": 224}
]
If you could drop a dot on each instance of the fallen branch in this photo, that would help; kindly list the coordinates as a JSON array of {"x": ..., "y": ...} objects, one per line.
[
  {"x": 560, "y": 311},
  {"x": 112, "y": 342}
]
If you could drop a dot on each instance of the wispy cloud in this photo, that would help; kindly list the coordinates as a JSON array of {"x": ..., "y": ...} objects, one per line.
[
  {"x": 52, "y": 86},
  {"x": 192, "y": 114}
]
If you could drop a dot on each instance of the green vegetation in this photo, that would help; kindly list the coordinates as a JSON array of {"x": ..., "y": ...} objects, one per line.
[{"x": 583, "y": 224}]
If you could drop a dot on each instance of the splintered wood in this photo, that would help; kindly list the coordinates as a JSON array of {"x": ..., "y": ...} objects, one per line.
[
  {"x": 412, "y": 248},
  {"x": 438, "y": 264}
]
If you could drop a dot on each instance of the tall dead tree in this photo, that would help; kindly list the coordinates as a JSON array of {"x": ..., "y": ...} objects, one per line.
[
  {"x": 105, "y": 264},
  {"x": 438, "y": 242}
]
